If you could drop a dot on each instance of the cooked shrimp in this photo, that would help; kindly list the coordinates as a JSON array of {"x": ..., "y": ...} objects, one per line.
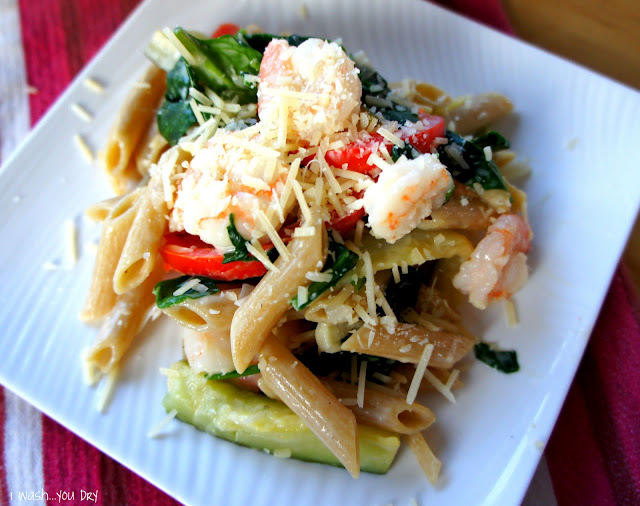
[
  {"x": 405, "y": 194},
  {"x": 315, "y": 84},
  {"x": 497, "y": 267},
  {"x": 231, "y": 175},
  {"x": 210, "y": 351}
]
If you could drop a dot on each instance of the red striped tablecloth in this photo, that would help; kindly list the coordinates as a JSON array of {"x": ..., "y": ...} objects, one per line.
[{"x": 593, "y": 456}]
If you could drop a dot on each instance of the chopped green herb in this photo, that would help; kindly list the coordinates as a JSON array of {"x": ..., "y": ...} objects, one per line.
[
  {"x": 505, "y": 361},
  {"x": 252, "y": 369},
  {"x": 164, "y": 291},
  {"x": 341, "y": 260}
]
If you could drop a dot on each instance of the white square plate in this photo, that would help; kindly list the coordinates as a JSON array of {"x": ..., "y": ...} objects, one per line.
[{"x": 582, "y": 204}]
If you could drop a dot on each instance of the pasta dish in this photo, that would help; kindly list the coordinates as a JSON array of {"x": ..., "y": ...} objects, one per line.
[{"x": 312, "y": 229}]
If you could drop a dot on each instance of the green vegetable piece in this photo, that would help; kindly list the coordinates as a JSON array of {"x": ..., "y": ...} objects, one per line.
[
  {"x": 341, "y": 260},
  {"x": 492, "y": 139},
  {"x": 249, "y": 371},
  {"x": 254, "y": 420},
  {"x": 222, "y": 63},
  {"x": 240, "y": 254},
  {"x": 174, "y": 119},
  {"x": 474, "y": 168},
  {"x": 504, "y": 361},
  {"x": 359, "y": 283},
  {"x": 165, "y": 289}
]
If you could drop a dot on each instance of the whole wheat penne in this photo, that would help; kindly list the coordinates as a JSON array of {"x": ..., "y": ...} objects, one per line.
[
  {"x": 150, "y": 149},
  {"x": 308, "y": 398},
  {"x": 139, "y": 254},
  {"x": 123, "y": 324},
  {"x": 403, "y": 373},
  {"x": 212, "y": 312},
  {"x": 100, "y": 210},
  {"x": 135, "y": 117},
  {"x": 260, "y": 312},
  {"x": 476, "y": 112},
  {"x": 383, "y": 407},
  {"x": 407, "y": 342},
  {"x": 102, "y": 297},
  {"x": 465, "y": 210},
  {"x": 423, "y": 454}
]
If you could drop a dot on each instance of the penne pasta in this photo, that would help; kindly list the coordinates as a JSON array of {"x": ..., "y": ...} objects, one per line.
[
  {"x": 209, "y": 313},
  {"x": 407, "y": 342},
  {"x": 136, "y": 115},
  {"x": 102, "y": 297},
  {"x": 257, "y": 316},
  {"x": 139, "y": 254},
  {"x": 308, "y": 398},
  {"x": 150, "y": 150},
  {"x": 465, "y": 210},
  {"x": 473, "y": 113},
  {"x": 123, "y": 325},
  {"x": 100, "y": 210},
  {"x": 383, "y": 407},
  {"x": 423, "y": 454}
]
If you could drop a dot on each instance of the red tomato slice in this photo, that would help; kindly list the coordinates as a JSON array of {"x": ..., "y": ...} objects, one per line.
[
  {"x": 356, "y": 154},
  {"x": 225, "y": 29},
  {"x": 187, "y": 254},
  {"x": 346, "y": 223}
]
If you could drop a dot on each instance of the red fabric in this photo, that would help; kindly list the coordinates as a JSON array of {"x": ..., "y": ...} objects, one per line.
[
  {"x": 4, "y": 493},
  {"x": 594, "y": 453}
]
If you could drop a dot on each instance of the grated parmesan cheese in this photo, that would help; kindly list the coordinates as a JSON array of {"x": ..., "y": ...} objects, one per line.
[
  {"x": 84, "y": 148},
  {"x": 421, "y": 369},
  {"x": 186, "y": 286},
  {"x": 256, "y": 249},
  {"x": 82, "y": 113},
  {"x": 157, "y": 430},
  {"x": 93, "y": 85},
  {"x": 439, "y": 386},
  {"x": 510, "y": 313},
  {"x": 303, "y": 295},
  {"x": 71, "y": 235},
  {"x": 273, "y": 235}
]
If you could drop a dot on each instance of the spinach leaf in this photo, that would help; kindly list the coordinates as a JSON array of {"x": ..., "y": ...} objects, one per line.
[
  {"x": 165, "y": 289},
  {"x": 341, "y": 260},
  {"x": 504, "y": 361},
  {"x": 179, "y": 79},
  {"x": 252, "y": 369},
  {"x": 260, "y": 41},
  {"x": 175, "y": 116},
  {"x": 240, "y": 254},
  {"x": 466, "y": 162},
  {"x": 174, "y": 119},
  {"x": 375, "y": 91},
  {"x": 492, "y": 139},
  {"x": 222, "y": 63}
]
